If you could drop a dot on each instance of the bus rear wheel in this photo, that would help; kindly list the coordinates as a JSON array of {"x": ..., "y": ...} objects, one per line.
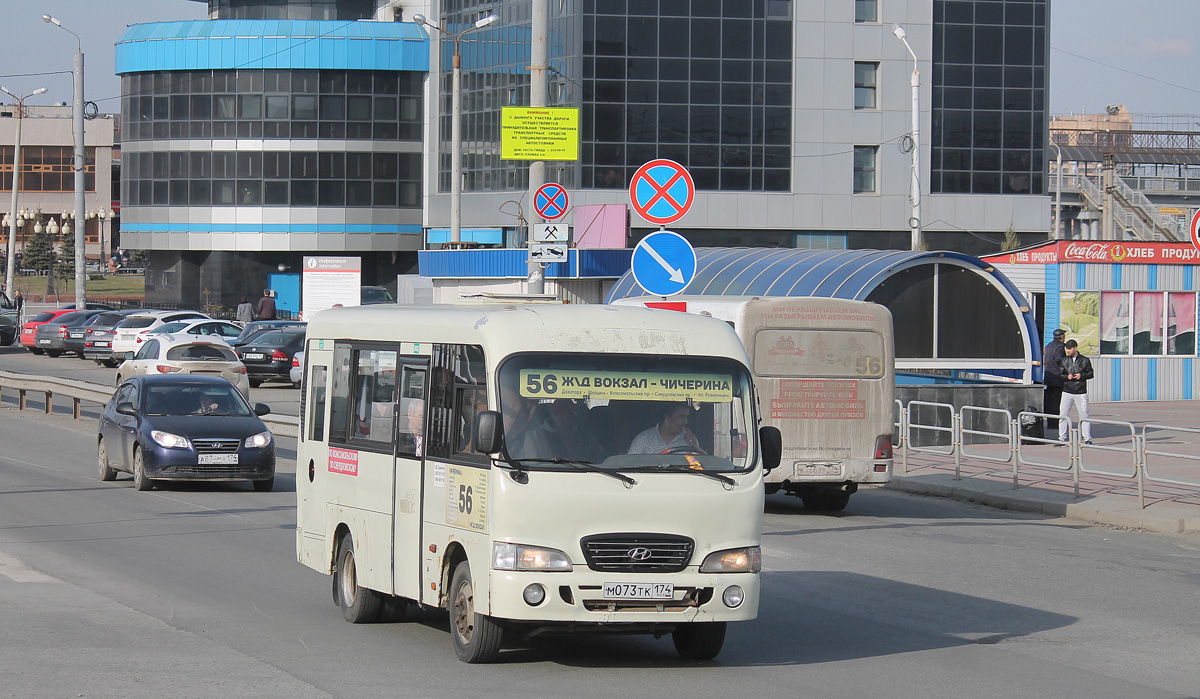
[
  {"x": 699, "y": 641},
  {"x": 359, "y": 605},
  {"x": 476, "y": 637}
]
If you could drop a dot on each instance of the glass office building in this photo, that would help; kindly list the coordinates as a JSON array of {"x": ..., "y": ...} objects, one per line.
[{"x": 282, "y": 127}]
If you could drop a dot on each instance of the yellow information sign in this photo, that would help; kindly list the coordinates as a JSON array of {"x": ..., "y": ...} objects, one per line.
[
  {"x": 621, "y": 385},
  {"x": 466, "y": 498},
  {"x": 539, "y": 133}
]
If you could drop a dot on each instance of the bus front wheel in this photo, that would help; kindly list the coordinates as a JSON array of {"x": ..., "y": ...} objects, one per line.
[
  {"x": 700, "y": 640},
  {"x": 359, "y": 605},
  {"x": 476, "y": 636}
]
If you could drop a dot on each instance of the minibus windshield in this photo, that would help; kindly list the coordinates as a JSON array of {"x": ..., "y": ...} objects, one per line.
[{"x": 627, "y": 413}]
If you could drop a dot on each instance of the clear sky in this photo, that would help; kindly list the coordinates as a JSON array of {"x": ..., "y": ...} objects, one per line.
[{"x": 1142, "y": 53}]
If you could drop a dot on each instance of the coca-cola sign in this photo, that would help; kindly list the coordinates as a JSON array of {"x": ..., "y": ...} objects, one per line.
[{"x": 1104, "y": 252}]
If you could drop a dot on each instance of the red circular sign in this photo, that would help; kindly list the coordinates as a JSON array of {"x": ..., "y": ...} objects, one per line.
[
  {"x": 662, "y": 191},
  {"x": 1195, "y": 232},
  {"x": 550, "y": 201}
]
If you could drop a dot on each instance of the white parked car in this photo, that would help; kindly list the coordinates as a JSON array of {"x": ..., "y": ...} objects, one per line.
[
  {"x": 297, "y": 373},
  {"x": 185, "y": 354},
  {"x": 128, "y": 335},
  {"x": 226, "y": 330}
]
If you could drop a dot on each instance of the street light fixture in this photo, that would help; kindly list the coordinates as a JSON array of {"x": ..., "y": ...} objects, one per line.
[
  {"x": 79, "y": 163},
  {"x": 15, "y": 218},
  {"x": 455, "y": 123},
  {"x": 1057, "y": 234},
  {"x": 914, "y": 221}
]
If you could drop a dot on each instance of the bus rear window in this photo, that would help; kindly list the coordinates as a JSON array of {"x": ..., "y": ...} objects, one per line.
[{"x": 821, "y": 353}]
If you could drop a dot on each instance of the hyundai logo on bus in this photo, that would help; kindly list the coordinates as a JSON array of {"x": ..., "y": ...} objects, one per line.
[{"x": 639, "y": 554}]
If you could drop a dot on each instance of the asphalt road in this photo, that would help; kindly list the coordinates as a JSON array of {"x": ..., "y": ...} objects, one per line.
[{"x": 194, "y": 591}]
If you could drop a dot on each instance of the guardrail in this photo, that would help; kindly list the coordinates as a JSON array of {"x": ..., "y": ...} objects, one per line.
[
  {"x": 946, "y": 425},
  {"x": 80, "y": 391}
]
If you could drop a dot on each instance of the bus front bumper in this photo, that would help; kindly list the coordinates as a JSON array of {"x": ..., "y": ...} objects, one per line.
[{"x": 578, "y": 597}]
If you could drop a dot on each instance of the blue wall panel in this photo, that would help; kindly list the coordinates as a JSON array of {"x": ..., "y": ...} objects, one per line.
[{"x": 231, "y": 44}]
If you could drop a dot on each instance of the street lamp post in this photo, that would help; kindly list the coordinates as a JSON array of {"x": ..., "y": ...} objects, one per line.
[
  {"x": 455, "y": 123},
  {"x": 914, "y": 221},
  {"x": 1057, "y": 234},
  {"x": 79, "y": 163},
  {"x": 16, "y": 184}
]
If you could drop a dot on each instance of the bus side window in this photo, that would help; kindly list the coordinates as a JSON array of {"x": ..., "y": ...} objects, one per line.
[
  {"x": 316, "y": 407},
  {"x": 457, "y": 391},
  {"x": 339, "y": 410}
]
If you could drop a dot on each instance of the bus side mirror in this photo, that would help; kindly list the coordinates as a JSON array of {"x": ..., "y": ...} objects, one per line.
[
  {"x": 772, "y": 446},
  {"x": 489, "y": 430}
]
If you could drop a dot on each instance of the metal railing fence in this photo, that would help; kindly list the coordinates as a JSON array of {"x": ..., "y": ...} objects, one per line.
[{"x": 940, "y": 429}]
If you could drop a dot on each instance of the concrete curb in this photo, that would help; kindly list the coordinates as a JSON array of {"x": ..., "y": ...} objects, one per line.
[{"x": 1113, "y": 510}]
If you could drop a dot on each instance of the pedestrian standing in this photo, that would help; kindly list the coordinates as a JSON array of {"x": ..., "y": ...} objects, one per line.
[
  {"x": 1052, "y": 357},
  {"x": 266, "y": 306},
  {"x": 19, "y": 302},
  {"x": 245, "y": 311},
  {"x": 1076, "y": 369}
]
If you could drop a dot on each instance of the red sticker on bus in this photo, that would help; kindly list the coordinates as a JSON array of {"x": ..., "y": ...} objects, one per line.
[{"x": 343, "y": 461}]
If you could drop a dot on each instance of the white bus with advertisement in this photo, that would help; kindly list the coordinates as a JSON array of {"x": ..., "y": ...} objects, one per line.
[
  {"x": 825, "y": 372},
  {"x": 533, "y": 469}
]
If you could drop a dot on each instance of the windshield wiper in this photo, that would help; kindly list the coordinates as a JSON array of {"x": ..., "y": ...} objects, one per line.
[
  {"x": 584, "y": 465},
  {"x": 680, "y": 468}
]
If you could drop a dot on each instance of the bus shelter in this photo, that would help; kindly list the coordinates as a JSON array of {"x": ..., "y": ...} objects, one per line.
[{"x": 956, "y": 317}]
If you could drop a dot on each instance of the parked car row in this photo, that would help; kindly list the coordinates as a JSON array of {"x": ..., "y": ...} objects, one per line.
[{"x": 144, "y": 342}]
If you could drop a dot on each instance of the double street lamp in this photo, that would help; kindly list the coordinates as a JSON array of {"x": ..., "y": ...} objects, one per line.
[
  {"x": 914, "y": 221},
  {"x": 455, "y": 123},
  {"x": 78, "y": 163},
  {"x": 14, "y": 216}
]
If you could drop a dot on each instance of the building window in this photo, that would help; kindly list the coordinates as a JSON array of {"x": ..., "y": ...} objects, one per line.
[
  {"x": 865, "y": 82},
  {"x": 866, "y": 10},
  {"x": 864, "y": 169}
]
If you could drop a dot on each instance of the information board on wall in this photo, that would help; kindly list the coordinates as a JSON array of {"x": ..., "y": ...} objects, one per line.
[
  {"x": 328, "y": 282},
  {"x": 539, "y": 133}
]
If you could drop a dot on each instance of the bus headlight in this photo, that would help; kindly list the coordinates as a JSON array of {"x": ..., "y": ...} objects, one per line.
[
  {"x": 171, "y": 441},
  {"x": 506, "y": 556},
  {"x": 743, "y": 560}
]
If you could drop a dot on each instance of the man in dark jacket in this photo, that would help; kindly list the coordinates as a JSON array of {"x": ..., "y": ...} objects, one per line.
[
  {"x": 1052, "y": 356},
  {"x": 266, "y": 306},
  {"x": 1076, "y": 369}
]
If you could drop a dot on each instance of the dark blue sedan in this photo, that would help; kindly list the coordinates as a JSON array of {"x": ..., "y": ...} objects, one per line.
[{"x": 184, "y": 428}]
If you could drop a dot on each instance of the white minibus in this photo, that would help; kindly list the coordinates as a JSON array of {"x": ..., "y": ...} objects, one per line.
[
  {"x": 825, "y": 372},
  {"x": 533, "y": 469}
]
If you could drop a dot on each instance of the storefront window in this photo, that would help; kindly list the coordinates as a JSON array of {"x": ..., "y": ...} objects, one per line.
[
  {"x": 1114, "y": 322},
  {"x": 1181, "y": 323},
  {"x": 1148, "y": 323}
]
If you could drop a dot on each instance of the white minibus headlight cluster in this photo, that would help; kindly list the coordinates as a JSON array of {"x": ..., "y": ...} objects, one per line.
[
  {"x": 743, "y": 560},
  {"x": 172, "y": 441},
  {"x": 506, "y": 556},
  {"x": 261, "y": 439}
]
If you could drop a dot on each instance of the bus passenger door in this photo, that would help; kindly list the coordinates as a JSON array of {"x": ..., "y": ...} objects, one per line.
[
  {"x": 410, "y": 452},
  {"x": 312, "y": 468}
]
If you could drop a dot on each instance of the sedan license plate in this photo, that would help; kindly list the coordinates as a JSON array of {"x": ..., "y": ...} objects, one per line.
[
  {"x": 43, "y": 341},
  {"x": 100, "y": 343},
  {"x": 252, "y": 355},
  {"x": 218, "y": 458},
  {"x": 639, "y": 590}
]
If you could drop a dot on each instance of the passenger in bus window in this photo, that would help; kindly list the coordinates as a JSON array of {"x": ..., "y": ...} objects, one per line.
[
  {"x": 559, "y": 435},
  {"x": 412, "y": 433},
  {"x": 671, "y": 433}
]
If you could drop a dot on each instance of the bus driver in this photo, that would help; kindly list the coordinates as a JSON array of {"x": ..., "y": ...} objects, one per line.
[{"x": 671, "y": 433}]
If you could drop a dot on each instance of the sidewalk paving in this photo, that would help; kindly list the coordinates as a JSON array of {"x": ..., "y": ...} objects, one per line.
[{"x": 1103, "y": 499}]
